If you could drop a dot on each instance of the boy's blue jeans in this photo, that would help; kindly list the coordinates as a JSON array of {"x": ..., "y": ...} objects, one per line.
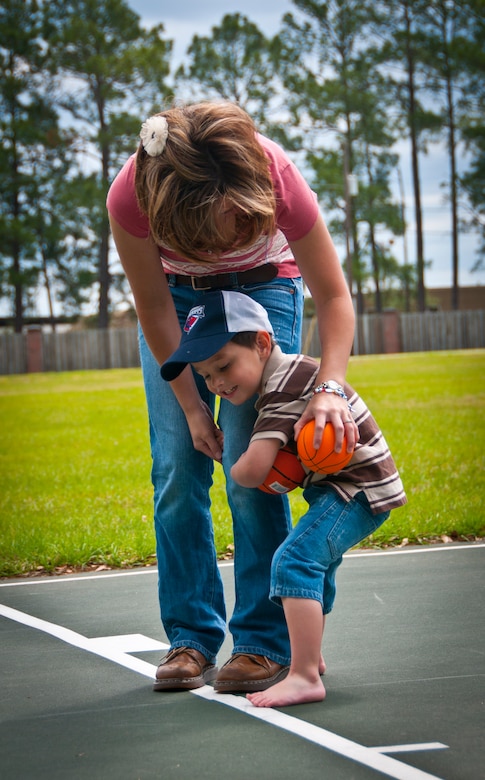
[
  {"x": 305, "y": 565},
  {"x": 190, "y": 587}
]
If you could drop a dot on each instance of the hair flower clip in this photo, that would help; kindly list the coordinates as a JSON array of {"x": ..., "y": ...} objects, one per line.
[{"x": 153, "y": 134}]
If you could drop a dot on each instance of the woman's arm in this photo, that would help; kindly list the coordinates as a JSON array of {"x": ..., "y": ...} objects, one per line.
[
  {"x": 320, "y": 267},
  {"x": 253, "y": 466},
  {"x": 158, "y": 319}
]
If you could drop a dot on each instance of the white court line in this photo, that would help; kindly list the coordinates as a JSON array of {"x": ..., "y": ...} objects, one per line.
[
  {"x": 327, "y": 739},
  {"x": 410, "y": 748},
  {"x": 414, "y": 550},
  {"x": 96, "y": 646},
  {"x": 130, "y": 643},
  {"x": 103, "y": 646},
  {"x": 46, "y": 579},
  {"x": 89, "y": 577}
]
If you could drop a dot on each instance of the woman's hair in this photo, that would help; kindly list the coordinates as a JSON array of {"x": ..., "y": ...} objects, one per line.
[{"x": 212, "y": 163}]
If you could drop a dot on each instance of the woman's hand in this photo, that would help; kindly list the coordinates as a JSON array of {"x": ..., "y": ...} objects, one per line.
[
  {"x": 329, "y": 407},
  {"x": 320, "y": 266},
  {"x": 206, "y": 436}
]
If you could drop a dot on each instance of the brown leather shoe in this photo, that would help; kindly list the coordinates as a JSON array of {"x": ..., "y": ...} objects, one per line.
[
  {"x": 183, "y": 668},
  {"x": 248, "y": 672}
]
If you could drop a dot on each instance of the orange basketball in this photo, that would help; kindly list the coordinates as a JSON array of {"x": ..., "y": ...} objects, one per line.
[
  {"x": 286, "y": 473},
  {"x": 324, "y": 460}
]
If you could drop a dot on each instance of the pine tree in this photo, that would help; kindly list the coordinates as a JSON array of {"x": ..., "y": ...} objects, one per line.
[{"x": 110, "y": 75}]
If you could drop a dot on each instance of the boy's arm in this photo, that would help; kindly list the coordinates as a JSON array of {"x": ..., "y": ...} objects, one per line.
[{"x": 253, "y": 466}]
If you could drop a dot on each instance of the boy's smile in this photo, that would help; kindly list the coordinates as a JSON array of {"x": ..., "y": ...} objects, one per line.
[{"x": 234, "y": 372}]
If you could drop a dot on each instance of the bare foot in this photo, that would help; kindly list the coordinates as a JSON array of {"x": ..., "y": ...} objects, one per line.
[
  {"x": 322, "y": 666},
  {"x": 293, "y": 690}
]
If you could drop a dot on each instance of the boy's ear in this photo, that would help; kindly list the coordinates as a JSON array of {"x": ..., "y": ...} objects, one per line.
[{"x": 263, "y": 343}]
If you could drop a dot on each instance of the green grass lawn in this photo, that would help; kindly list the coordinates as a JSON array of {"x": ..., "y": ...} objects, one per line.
[{"x": 75, "y": 468}]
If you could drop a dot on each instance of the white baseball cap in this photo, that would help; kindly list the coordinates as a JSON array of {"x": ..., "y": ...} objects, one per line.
[{"x": 210, "y": 324}]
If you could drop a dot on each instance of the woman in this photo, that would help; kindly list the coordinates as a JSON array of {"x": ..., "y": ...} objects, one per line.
[{"x": 208, "y": 203}]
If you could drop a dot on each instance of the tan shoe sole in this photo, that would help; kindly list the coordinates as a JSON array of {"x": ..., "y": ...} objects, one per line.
[
  {"x": 250, "y": 686},
  {"x": 186, "y": 683}
]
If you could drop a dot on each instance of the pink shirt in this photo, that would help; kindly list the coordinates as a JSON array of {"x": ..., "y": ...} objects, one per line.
[{"x": 296, "y": 213}]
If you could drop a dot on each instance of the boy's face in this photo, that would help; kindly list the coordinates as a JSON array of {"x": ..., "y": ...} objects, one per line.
[{"x": 235, "y": 372}]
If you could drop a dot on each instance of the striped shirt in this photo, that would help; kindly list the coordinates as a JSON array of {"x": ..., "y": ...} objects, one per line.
[{"x": 288, "y": 382}]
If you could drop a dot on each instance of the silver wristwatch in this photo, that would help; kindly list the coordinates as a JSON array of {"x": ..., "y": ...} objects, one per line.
[{"x": 331, "y": 386}]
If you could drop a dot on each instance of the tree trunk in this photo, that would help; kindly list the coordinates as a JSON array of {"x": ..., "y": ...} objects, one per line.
[
  {"x": 421, "y": 291},
  {"x": 104, "y": 277},
  {"x": 454, "y": 197}
]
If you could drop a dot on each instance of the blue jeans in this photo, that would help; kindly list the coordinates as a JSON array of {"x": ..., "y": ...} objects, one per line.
[
  {"x": 305, "y": 565},
  {"x": 190, "y": 588}
]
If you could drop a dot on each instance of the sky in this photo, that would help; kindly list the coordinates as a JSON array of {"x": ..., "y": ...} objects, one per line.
[{"x": 185, "y": 18}]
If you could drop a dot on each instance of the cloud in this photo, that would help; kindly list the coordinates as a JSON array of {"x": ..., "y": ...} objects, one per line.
[{"x": 186, "y": 18}]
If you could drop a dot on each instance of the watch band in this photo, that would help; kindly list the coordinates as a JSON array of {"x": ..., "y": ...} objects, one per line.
[{"x": 330, "y": 387}]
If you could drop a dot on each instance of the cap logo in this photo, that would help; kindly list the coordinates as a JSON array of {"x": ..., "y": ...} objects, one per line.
[{"x": 194, "y": 316}]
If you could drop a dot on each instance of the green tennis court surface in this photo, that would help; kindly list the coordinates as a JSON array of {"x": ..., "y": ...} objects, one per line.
[{"x": 404, "y": 648}]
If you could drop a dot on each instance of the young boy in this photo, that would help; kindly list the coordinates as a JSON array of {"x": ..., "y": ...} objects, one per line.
[{"x": 228, "y": 339}]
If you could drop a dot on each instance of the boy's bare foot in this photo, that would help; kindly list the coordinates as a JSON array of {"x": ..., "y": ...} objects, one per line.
[
  {"x": 293, "y": 690},
  {"x": 322, "y": 666}
]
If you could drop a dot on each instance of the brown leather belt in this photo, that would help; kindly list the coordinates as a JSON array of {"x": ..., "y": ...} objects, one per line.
[{"x": 262, "y": 273}]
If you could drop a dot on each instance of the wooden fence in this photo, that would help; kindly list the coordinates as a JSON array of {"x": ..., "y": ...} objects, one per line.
[
  {"x": 394, "y": 331},
  {"x": 385, "y": 333}
]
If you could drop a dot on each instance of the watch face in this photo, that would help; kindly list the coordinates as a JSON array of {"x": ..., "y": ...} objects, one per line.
[{"x": 332, "y": 385}]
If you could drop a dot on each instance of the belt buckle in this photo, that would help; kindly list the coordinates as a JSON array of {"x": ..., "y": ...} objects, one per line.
[{"x": 195, "y": 286}]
